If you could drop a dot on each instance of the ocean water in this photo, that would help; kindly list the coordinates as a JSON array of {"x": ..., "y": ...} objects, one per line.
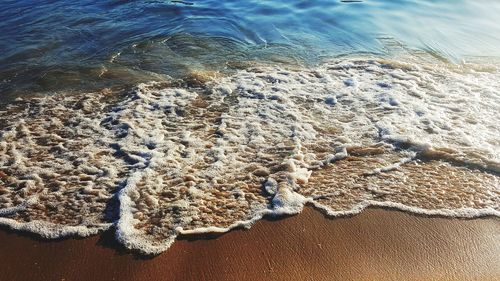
[
  {"x": 159, "y": 118},
  {"x": 50, "y": 45}
]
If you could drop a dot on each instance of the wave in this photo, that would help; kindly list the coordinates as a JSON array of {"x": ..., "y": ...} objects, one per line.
[{"x": 213, "y": 155}]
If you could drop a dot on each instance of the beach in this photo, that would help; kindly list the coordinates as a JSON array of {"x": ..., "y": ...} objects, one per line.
[
  {"x": 377, "y": 244},
  {"x": 249, "y": 140}
]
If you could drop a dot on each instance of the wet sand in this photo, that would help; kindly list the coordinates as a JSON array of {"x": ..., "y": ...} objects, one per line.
[{"x": 375, "y": 245}]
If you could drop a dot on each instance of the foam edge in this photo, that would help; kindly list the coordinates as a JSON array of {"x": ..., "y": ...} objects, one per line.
[
  {"x": 49, "y": 230},
  {"x": 465, "y": 213}
]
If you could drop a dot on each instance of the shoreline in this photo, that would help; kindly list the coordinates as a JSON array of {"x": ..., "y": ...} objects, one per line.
[{"x": 378, "y": 244}]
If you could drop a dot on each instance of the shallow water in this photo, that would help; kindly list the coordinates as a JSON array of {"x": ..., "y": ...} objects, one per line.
[
  {"x": 169, "y": 159},
  {"x": 73, "y": 45},
  {"x": 248, "y": 109}
]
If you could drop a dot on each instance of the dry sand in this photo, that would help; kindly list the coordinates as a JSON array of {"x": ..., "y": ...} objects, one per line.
[{"x": 375, "y": 245}]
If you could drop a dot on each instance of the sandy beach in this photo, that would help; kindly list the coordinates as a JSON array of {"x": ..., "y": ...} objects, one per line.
[
  {"x": 375, "y": 245},
  {"x": 249, "y": 140}
]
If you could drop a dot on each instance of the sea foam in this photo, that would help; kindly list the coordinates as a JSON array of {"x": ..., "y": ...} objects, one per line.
[{"x": 168, "y": 160}]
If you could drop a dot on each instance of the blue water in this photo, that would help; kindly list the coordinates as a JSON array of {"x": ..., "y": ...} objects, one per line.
[{"x": 54, "y": 45}]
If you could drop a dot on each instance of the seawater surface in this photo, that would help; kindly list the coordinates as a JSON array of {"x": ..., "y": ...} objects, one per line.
[
  {"x": 158, "y": 119},
  {"x": 69, "y": 45}
]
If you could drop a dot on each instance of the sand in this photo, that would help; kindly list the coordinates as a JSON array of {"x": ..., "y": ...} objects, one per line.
[{"x": 375, "y": 245}]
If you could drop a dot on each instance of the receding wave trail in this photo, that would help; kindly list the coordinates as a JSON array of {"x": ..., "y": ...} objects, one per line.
[{"x": 165, "y": 160}]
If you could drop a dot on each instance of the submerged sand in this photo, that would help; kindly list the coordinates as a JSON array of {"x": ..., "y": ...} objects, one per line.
[
  {"x": 374, "y": 245},
  {"x": 177, "y": 158}
]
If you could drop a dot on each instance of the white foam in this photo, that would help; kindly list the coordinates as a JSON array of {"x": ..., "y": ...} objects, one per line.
[
  {"x": 52, "y": 231},
  {"x": 458, "y": 213},
  {"x": 343, "y": 136}
]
